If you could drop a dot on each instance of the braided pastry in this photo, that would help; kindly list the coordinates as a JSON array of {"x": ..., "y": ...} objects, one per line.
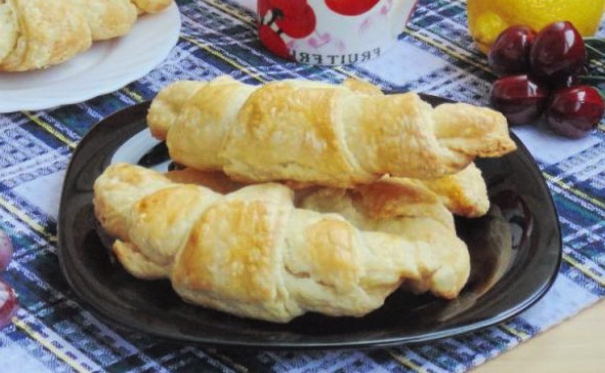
[
  {"x": 464, "y": 193},
  {"x": 252, "y": 253},
  {"x": 317, "y": 133},
  {"x": 35, "y": 34}
]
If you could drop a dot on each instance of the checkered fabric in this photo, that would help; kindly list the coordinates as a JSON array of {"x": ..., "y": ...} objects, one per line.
[{"x": 54, "y": 332}]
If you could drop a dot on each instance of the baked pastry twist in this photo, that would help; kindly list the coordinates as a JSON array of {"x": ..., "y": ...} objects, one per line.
[
  {"x": 35, "y": 34},
  {"x": 464, "y": 193},
  {"x": 252, "y": 253},
  {"x": 317, "y": 133},
  {"x": 385, "y": 202}
]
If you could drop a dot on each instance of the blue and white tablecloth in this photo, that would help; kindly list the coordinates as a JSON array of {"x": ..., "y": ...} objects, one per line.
[{"x": 54, "y": 332}]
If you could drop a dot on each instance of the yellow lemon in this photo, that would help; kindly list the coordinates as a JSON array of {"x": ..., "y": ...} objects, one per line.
[{"x": 488, "y": 18}]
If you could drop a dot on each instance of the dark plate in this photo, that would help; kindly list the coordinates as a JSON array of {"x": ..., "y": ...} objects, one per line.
[{"x": 515, "y": 252}]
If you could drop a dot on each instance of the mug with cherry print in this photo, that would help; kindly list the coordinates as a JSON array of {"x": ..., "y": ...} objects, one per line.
[{"x": 331, "y": 32}]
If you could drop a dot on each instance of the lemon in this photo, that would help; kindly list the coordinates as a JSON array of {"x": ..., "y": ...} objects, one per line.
[{"x": 488, "y": 18}]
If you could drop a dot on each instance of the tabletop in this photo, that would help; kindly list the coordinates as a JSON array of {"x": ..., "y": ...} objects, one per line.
[
  {"x": 54, "y": 331},
  {"x": 576, "y": 344}
]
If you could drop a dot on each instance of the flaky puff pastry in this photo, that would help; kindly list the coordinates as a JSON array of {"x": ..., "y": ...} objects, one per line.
[
  {"x": 35, "y": 34},
  {"x": 385, "y": 205},
  {"x": 317, "y": 133},
  {"x": 464, "y": 193},
  {"x": 388, "y": 205},
  {"x": 152, "y": 6},
  {"x": 41, "y": 33},
  {"x": 108, "y": 19},
  {"x": 380, "y": 204},
  {"x": 254, "y": 254}
]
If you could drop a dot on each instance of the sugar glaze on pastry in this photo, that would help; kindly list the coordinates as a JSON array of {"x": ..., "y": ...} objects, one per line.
[
  {"x": 35, "y": 34},
  {"x": 318, "y": 133},
  {"x": 253, "y": 253}
]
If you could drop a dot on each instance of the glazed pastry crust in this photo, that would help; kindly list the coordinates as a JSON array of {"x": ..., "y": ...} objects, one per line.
[
  {"x": 464, "y": 193},
  {"x": 152, "y": 6},
  {"x": 318, "y": 133},
  {"x": 9, "y": 28},
  {"x": 35, "y": 34},
  {"x": 168, "y": 104},
  {"x": 253, "y": 253},
  {"x": 42, "y": 40},
  {"x": 383, "y": 200},
  {"x": 108, "y": 19}
]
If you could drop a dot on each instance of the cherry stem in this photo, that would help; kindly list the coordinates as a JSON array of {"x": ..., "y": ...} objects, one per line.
[
  {"x": 595, "y": 50},
  {"x": 593, "y": 38},
  {"x": 593, "y": 77}
]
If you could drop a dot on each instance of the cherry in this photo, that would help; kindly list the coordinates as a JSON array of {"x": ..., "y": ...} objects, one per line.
[
  {"x": 574, "y": 112},
  {"x": 351, "y": 7},
  {"x": 557, "y": 53},
  {"x": 273, "y": 42},
  {"x": 519, "y": 98},
  {"x": 510, "y": 53}
]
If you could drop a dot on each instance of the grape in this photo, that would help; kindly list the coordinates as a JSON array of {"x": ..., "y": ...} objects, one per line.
[
  {"x": 8, "y": 304},
  {"x": 6, "y": 250}
]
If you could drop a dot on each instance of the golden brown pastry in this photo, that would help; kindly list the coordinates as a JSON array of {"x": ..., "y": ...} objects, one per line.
[
  {"x": 167, "y": 106},
  {"x": 108, "y": 19},
  {"x": 8, "y": 29},
  {"x": 381, "y": 206},
  {"x": 152, "y": 6},
  {"x": 35, "y": 34},
  {"x": 464, "y": 193},
  {"x": 252, "y": 253},
  {"x": 382, "y": 200},
  {"x": 42, "y": 33},
  {"x": 319, "y": 133}
]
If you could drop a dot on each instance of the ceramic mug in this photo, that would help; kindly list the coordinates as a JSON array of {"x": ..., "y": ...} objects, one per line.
[{"x": 331, "y": 32}]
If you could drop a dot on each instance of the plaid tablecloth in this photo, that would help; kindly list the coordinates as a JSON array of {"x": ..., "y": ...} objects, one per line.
[{"x": 54, "y": 331}]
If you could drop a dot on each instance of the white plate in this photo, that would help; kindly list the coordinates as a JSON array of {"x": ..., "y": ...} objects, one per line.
[{"x": 106, "y": 67}]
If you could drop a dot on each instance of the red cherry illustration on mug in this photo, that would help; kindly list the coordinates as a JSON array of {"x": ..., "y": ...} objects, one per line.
[
  {"x": 351, "y": 7},
  {"x": 294, "y": 18},
  {"x": 273, "y": 41}
]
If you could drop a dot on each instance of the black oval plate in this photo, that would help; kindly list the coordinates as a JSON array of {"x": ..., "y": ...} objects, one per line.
[{"x": 515, "y": 253}]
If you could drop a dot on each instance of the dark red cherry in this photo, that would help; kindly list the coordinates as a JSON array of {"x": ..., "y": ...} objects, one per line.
[
  {"x": 510, "y": 53},
  {"x": 557, "y": 53},
  {"x": 574, "y": 112},
  {"x": 519, "y": 98}
]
